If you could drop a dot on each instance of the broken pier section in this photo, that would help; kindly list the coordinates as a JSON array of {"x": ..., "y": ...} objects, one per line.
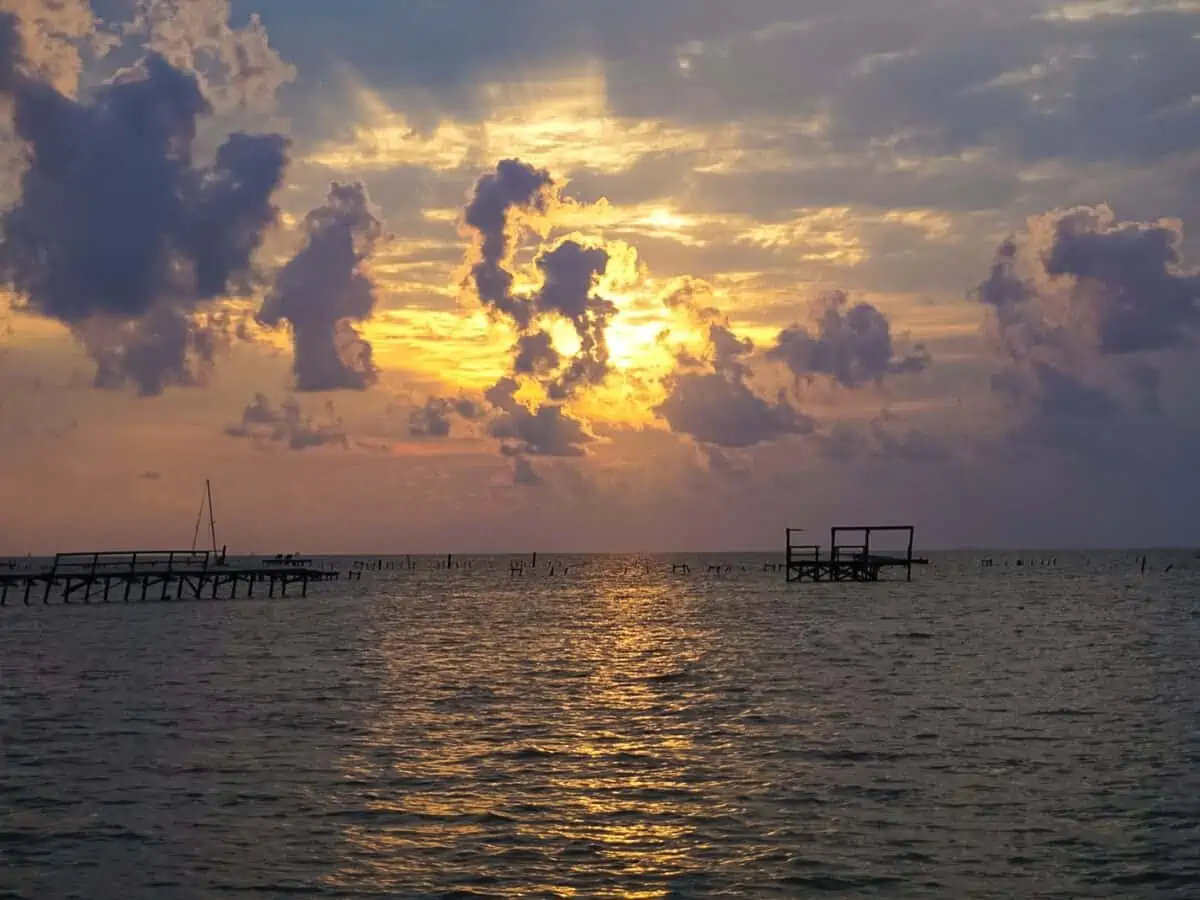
[
  {"x": 154, "y": 575},
  {"x": 849, "y": 557}
]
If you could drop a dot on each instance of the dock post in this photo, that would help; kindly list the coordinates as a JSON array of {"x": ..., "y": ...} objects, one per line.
[
  {"x": 304, "y": 585},
  {"x": 250, "y": 585},
  {"x": 107, "y": 587},
  {"x": 908, "y": 561},
  {"x": 28, "y": 586},
  {"x": 216, "y": 585},
  {"x": 145, "y": 586},
  {"x": 233, "y": 588},
  {"x": 128, "y": 586},
  {"x": 4, "y": 595},
  {"x": 271, "y": 589}
]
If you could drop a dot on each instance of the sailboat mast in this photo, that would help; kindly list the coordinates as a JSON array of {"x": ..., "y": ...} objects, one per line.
[
  {"x": 199, "y": 518},
  {"x": 212, "y": 523}
]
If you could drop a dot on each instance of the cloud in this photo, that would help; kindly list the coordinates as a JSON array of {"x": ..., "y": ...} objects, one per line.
[
  {"x": 534, "y": 354},
  {"x": 236, "y": 67},
  {"x": 433, "y": 420},
  {"x": 715, "y": 409},
  {"x": 116, "y": 232},
  {"x": 852, "y": 345},
  {"x": 51, "y": 34},
  {"x": 570, "y": 273},
  {"x": 884, "y": 438},
  {"x": 324, "y": 289},
  {"x": 287, "y": 424},
  {"x": 547, "y": 431},
  {"x": 524, "y": 473},
  {"x": 495, "y": 212},
  {"x": 1086, "y": 307}
]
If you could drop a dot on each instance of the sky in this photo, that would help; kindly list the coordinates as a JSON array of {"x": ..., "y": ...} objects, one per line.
[{"x": 564, "y": 275}]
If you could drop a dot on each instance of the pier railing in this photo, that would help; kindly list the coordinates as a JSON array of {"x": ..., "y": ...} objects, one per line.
[{"x": 163, "y": 562}]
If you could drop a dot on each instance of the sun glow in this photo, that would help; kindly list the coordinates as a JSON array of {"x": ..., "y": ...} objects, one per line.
[{"x": 562, "y": 124}]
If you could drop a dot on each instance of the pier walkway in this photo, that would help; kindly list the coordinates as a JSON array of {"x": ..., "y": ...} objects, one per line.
[
  {"x": 849, "y": 561},
  {"x": 153, "y": 575}
]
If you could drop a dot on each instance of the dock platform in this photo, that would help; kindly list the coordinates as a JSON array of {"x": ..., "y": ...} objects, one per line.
[
  {"x": 153, "y": 575},
  {"x": 849, "y": 561}
]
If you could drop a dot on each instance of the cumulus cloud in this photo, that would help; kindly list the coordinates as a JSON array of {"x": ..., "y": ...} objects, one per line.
[
  {"x": 852, "y": 344},
  {"x": 547, "y": 431},
  {"x": 434, "y": 419},
  {"x": 715, "y": 409},
  {"x": 570, "y": 274},
  {"x": 288, "y": 425},
  {"x": 534, "y": 354},
  {"x": 116, "y": 233},
  {"x": 1085, "y": 307},
  {"x": 499, "y": 201},
  {"x": 52, "y": 34},
  {"x": 237, "y": 68},
  {"x": 323, "y": 290}
]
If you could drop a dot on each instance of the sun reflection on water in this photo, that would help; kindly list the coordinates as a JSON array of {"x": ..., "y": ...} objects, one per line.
[{"x": 557, "y": 749}]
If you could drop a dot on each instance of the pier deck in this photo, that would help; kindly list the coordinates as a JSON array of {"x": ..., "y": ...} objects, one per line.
[
  {"x": 849, "y": 561},
  {"x": 152, "y": 575}
]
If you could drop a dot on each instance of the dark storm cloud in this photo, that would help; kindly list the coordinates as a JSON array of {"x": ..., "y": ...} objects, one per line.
[
  {"x": 513, "y": 187},
  {"x": 116, "y": 232},
  {"x": 324, "y": 289},
  {"x": 853, "y": 345},
  {"x": 286, "y": 424}
]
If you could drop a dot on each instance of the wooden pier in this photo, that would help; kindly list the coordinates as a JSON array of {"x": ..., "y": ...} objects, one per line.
[
  {"x": 849, "y": 561},
  {"x": 153, "y": 575}
]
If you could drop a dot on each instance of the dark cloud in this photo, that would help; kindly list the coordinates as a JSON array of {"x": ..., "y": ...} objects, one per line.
[
  {"x": 287, "y": 424},
  {"x": 524, "y": 473},
  {"x": 570, "y": 273},
  {"x": 434, "y": 419},
  {"x": 514, "y": 187},
  {"x": 547, "y": 431},
  {"x": 1084, "y": 309},
  {"x": 715, "y": 409},
  {"x": 115, "y": 222},
  {"x": 534, "y": 354},
  {"x": 885, "y": 438},
  {"x": 853, "y": 345},
  {"x": 728, "y": 351},
  {"x": 162, "y": 348},
  {"x": 324, "y": 289}
]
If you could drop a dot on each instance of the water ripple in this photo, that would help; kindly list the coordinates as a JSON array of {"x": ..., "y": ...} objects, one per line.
[{"x": 1030, "y": 733}]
